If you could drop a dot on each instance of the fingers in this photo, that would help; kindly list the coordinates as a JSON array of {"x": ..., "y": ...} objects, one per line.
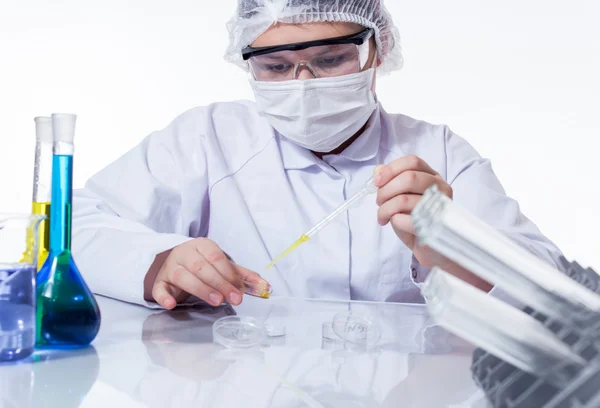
[
  {"x": 398, "y": 166},
  {"x": 217, "y": 258},
  {"x": 247, "y": 274},
  {"x": 409, "y": 182},
  {"x": 219, "y": 275},
  {"x": 200, "y": 268},
  {"x": 398, "y": 205},
  {"x": 403, "y": 223},
  {"x": 187, "y": 281},
  {"x": 213, "y": 278},
  {"x": 161, "y": 293}
]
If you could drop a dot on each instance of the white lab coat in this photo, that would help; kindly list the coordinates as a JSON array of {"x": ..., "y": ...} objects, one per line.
[{"x": 222, "y": 172}]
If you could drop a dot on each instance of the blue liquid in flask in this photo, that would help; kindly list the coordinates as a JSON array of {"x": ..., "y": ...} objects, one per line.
[{"x": 67, "y": 312}]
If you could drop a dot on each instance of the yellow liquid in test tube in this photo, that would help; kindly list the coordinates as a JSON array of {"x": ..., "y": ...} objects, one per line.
[
  {"x": 43, "y": 235},
  {"x": 261, "y": 289}
]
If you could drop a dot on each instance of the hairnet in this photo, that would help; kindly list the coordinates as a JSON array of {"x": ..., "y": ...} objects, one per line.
[{"x": 254, "y": 17}]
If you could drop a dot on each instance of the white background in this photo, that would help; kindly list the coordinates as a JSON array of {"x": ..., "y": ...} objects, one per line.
[{"x": 518, "y": 79}]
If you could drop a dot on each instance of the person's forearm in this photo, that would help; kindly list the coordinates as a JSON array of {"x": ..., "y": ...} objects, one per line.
[{"x": 467, "y": 276}]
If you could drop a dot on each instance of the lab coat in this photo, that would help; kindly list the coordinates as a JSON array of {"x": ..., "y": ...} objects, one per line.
[{"x": 224, "y": 173}]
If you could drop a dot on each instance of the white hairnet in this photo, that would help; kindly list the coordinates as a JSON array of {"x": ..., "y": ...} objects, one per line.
[{"x": 254, "y": 17}]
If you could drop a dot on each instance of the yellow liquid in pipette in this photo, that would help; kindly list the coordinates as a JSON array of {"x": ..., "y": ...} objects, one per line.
[
  {"x": 303, "y": 238},
  {"x": 43, "y": 235}
]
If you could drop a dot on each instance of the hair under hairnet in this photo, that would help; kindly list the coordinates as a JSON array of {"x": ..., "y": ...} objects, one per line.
[{"x": 254, "y": 17}]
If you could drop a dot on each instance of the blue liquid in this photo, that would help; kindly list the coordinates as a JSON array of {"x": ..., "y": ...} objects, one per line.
[
  {"x": 67, "y": 312},
  {"x": 60, "y": 210},
  {"x": 17, "y": 312}
]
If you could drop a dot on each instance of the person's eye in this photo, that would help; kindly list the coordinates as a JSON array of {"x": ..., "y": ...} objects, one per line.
[
  {"x": 332, "y": 61},
  {"x": 278, "y": 68}
]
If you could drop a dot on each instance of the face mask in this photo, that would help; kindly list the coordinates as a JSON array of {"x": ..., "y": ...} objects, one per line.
[{"x": 318, "y": 114}]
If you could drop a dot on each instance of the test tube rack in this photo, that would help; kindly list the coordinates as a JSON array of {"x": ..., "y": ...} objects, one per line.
[{"x": 506, "y": 386}]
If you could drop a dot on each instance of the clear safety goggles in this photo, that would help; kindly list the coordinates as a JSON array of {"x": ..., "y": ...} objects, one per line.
[{"x": 322, "y": 58}]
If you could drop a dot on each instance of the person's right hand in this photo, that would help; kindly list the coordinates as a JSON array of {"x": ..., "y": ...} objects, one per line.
[{"x": 200, "y": 268}]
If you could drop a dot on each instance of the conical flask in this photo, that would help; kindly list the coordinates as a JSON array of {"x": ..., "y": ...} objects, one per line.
[{"x": 67, "y": 312}]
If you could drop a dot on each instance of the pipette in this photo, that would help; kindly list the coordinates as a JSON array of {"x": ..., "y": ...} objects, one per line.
[{"x": 369, "y": 188}]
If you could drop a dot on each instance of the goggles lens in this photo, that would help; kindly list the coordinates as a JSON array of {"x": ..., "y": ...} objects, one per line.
[{"x": 322, "y": 61}]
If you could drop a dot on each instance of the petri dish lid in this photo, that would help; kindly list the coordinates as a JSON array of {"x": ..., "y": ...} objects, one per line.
[
  {"x": 356, "y": 328},
  {"x": 238, "y": 332}
]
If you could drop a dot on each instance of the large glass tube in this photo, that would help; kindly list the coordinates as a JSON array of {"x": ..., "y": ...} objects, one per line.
[
  {"x": 42, "y": 193},
  {"x": 499, "y": 328},
  {"x": 67, "y": 312},
  {"x": 460, "y": 236},
  {"x": 42, "y": 184}
]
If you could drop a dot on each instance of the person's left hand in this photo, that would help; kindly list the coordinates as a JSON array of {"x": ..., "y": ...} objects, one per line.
[{"x": 401, "y": 185}]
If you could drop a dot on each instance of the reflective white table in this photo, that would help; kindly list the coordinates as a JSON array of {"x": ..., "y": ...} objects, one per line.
[{"x": 149, "y": 358}]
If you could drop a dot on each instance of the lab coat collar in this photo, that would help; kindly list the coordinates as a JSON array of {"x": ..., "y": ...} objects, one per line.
[{"x": 364, "y": 148}]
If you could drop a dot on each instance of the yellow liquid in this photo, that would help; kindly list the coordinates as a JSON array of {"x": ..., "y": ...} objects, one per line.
[
  {"x": 43, "y": 235},
  {"x": 303, "y": 238},
  {"x": 264, "y": 295}
]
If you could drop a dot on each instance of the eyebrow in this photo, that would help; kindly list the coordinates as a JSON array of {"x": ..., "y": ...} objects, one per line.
[
  {"x": 275, "y": 57},
  {"x": 327, "y": 51}
]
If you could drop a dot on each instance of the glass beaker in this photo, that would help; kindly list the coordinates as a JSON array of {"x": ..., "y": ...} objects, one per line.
[{"x": 17, "y": 284}]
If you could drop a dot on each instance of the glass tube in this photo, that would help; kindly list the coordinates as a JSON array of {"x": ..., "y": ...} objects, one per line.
[
  {"x": 42, "y": 190},
  {"x": 453, "y": 232},
  {"x": 499, "y": 328}
]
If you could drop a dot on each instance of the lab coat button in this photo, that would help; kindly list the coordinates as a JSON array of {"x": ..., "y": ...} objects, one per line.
[{"x": 414, "y": 273}]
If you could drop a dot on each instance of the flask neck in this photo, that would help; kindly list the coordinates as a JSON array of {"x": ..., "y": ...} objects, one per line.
[{"x": 62, "y": 192}]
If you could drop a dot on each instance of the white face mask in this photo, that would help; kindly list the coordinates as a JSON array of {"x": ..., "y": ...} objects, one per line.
[{"x": 318, "y": 114}]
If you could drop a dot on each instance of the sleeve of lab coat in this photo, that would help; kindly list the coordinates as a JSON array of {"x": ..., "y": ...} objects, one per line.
[
  {"x": 477, "y": 189},
  {"x": 135, "y": 208}
]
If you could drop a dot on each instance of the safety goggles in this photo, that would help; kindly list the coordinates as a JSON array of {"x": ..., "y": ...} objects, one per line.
[{"x": 322, "y": 58}]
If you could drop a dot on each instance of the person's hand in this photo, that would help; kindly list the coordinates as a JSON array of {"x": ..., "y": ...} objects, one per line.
[
  {"x": 200, "y": 268},
  {"x": 401, "y": 185}
]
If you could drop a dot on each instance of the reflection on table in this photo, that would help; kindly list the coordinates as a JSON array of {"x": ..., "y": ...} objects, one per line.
[
  {"x": 50, "y": 378},
  {"x": 145, "y": 358}
]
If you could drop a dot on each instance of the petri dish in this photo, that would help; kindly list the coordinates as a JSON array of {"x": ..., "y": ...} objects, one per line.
[
  {"x": 238, "y": 332},
  {"x": 327, "y": 332},
  {"x": 356, "y": 328}
]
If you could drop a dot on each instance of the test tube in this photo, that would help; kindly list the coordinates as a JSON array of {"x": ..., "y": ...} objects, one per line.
[
  {"x": 503, "y": 330},
  {"x": 261, "y": 289},
  {"x": 460, "y": 236},
  {"x": 42, "y": 185}
]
